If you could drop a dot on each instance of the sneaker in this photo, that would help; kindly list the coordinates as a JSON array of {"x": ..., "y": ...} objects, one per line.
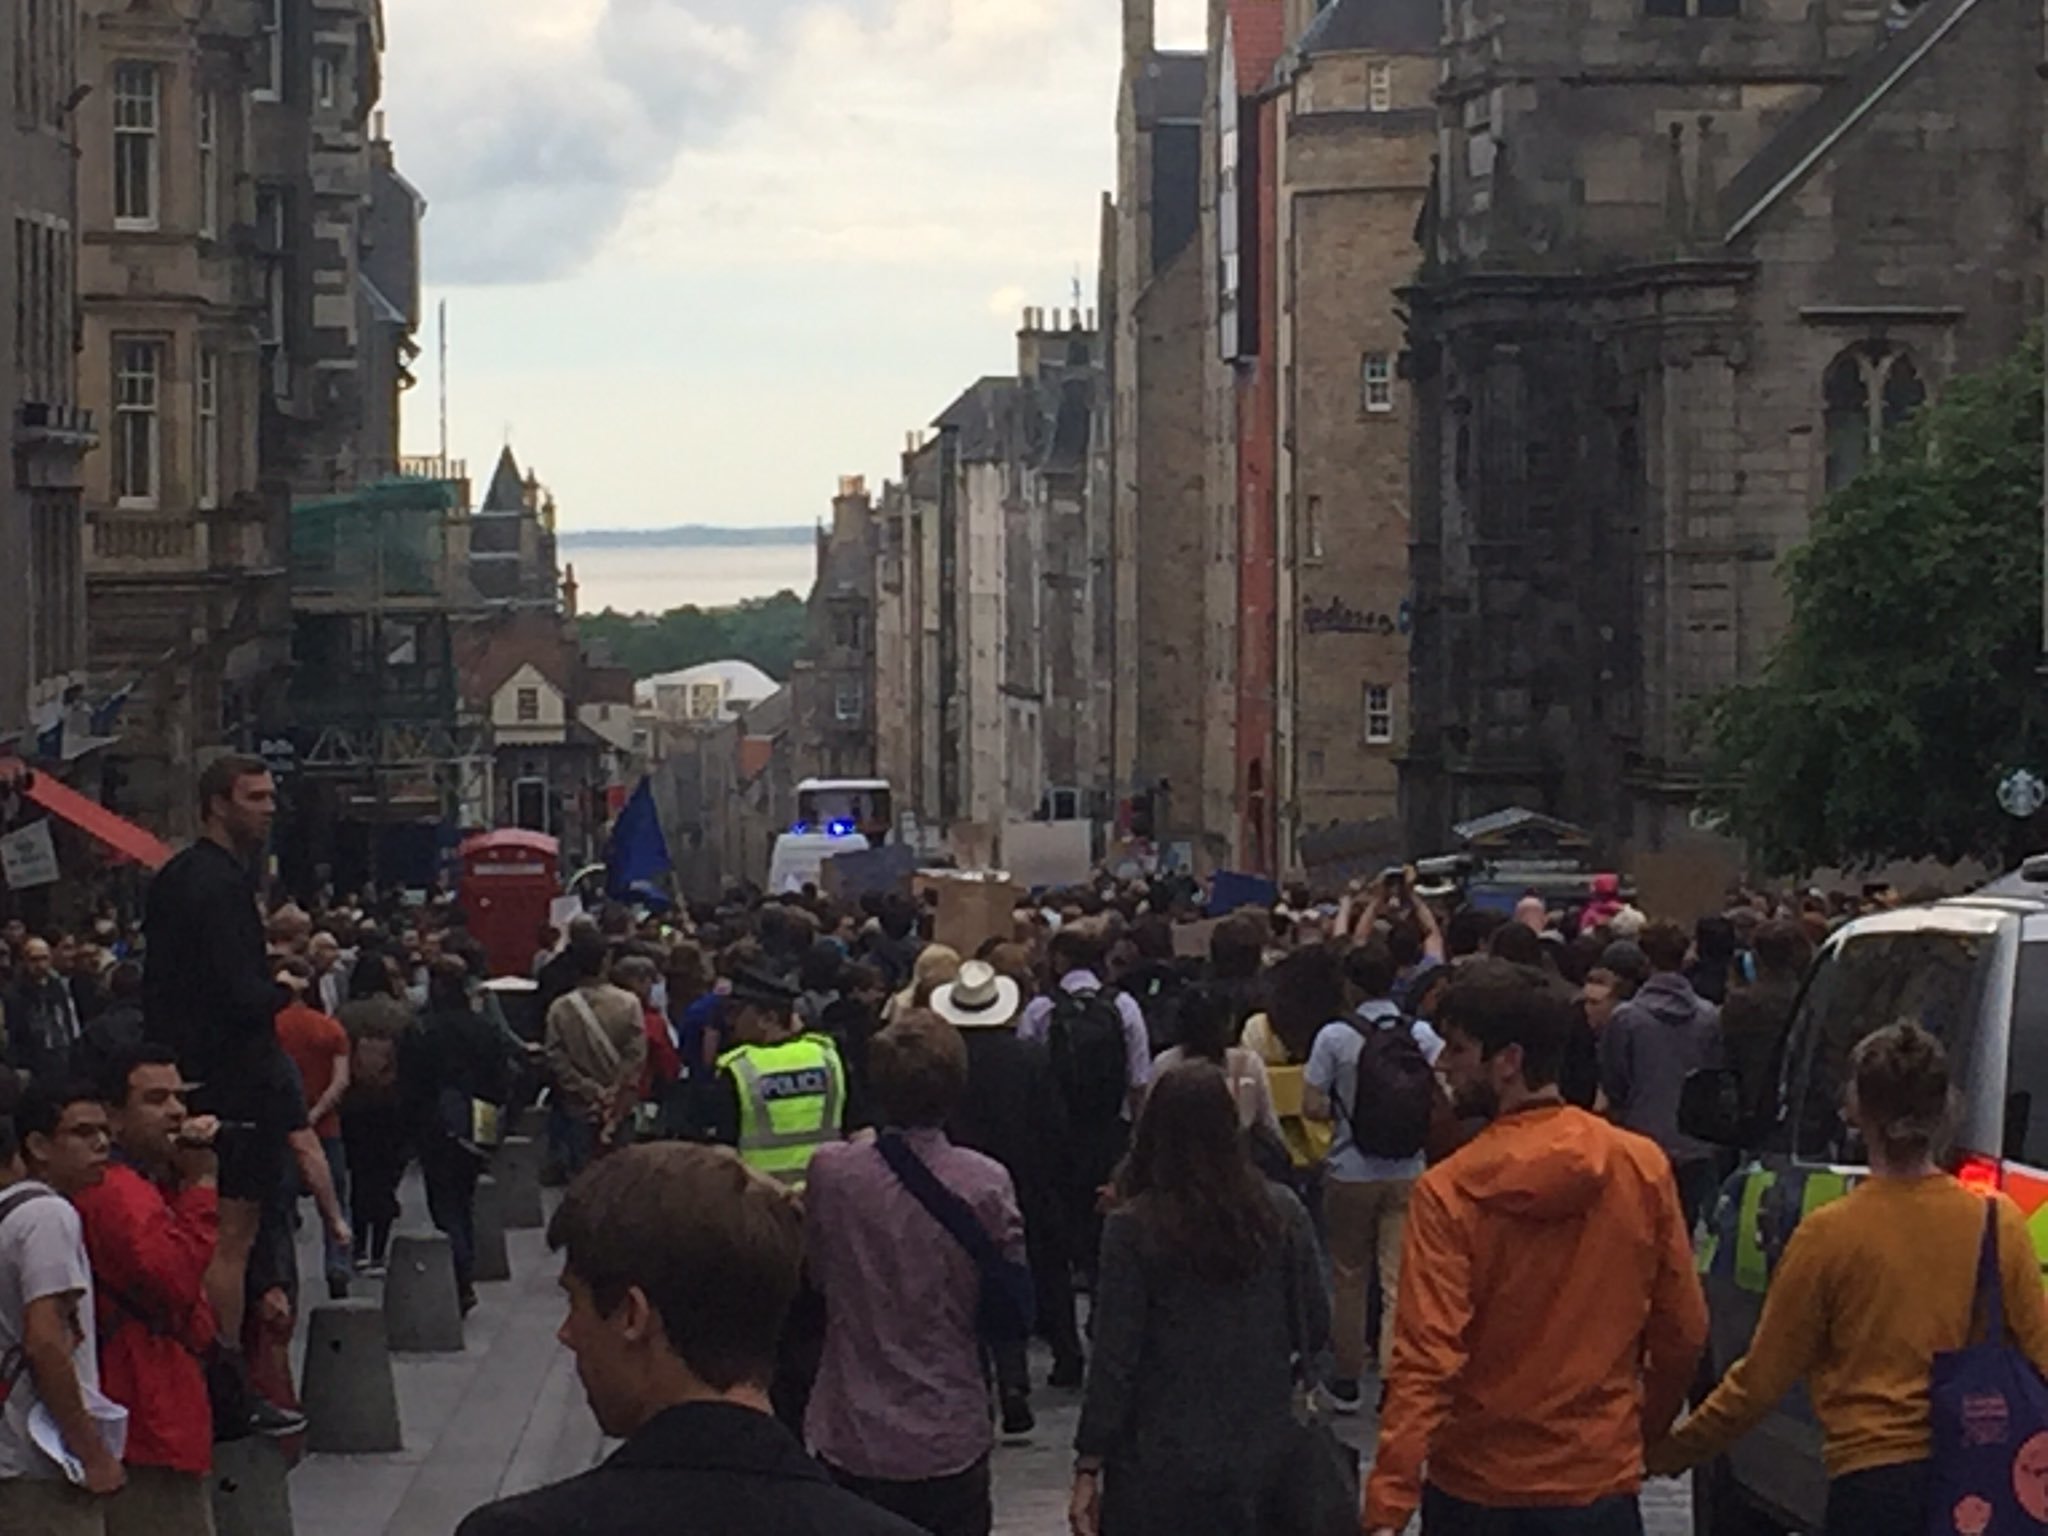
[
  {"x": 337, "y": 1287},
  {"x": 1018, "y": 1418},
  {"x": 1067, "y": 1376},
  {"x": 1343, "y": 1397},
  {"x": 467, "y": 1299},
  {"x": 273, "y": 1422}
]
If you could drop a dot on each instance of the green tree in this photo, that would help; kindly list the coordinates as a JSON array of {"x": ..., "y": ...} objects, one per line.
[
  {"x": 767, "y": 631},
  {"x": 1907, "y": 684}
]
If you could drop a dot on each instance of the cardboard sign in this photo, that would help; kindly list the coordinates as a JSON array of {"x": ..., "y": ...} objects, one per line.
[
  {"x": 973, "y": 844},
  {"x": 1049, "y": 855},
  {"x": 973, "y": 911},
  {"x": 29, "y": 858},
  {"x": 1191, "y": 940}
]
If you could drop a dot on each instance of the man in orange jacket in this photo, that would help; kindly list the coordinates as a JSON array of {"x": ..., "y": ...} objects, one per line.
[{"x": 1549, "y": 1318}]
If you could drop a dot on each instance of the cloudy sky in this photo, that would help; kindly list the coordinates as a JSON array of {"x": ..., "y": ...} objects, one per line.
[{"x": 701, "y": 257}]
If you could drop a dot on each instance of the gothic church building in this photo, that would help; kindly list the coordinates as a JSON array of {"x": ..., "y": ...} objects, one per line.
[{"x": 1684, "y": 262}]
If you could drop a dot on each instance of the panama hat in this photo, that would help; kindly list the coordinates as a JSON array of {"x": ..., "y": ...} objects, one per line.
[{"x": 978, "y": 999}]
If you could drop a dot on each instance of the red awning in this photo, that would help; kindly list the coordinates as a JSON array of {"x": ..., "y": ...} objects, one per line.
[{"x": 126, "y": 840}]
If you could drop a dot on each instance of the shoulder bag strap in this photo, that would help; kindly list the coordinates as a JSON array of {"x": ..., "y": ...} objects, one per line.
[
  {"x": 944, "y": 1207},
  {"x": 14, "y": 1362},
  {"x": 1990, "y": 1299},
  {"x": 600, "y": 1042}
]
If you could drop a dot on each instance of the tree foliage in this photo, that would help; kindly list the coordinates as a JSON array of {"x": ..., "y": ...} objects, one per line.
[
  {"x": 767, "y": 631},
  {"x": 1907, "y": 684}
]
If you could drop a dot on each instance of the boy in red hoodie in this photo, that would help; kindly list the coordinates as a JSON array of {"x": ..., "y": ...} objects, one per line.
[{"x": 150, "y": 1230}]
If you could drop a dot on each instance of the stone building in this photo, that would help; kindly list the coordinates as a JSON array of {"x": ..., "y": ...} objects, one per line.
[
  {"x": 1355, "y": 129},
  {"x": 1685, "y": 261},
  {"x": 1173, "y": 639},
  {"x": 833, "y": 690},
  {"x": 185, "y": 557},
  {"x": 48, "y": 431},
  {"x": 229, "y": 180},
  {"x": 512, "y": 557},
  {"x": 991, "y": 653}
]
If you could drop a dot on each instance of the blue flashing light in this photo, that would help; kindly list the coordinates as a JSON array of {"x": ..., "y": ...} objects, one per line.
[
  {"x": 800, "y": 828},
  {"x": 840, "y": 829}
]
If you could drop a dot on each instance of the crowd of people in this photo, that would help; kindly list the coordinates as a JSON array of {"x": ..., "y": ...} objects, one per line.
[{"x": 827, "y": 1180}]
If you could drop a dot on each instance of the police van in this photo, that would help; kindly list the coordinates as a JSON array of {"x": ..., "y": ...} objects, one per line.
[{"x": 1974, "y": 971}]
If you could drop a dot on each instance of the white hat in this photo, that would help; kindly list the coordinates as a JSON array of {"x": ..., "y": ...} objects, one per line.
[{"x": 978, "y": 998}]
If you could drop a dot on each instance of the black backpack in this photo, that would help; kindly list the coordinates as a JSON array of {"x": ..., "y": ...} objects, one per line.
[
  {"x": 1089, "y": 1058},
  {"x": 1396, "y": 1094}
]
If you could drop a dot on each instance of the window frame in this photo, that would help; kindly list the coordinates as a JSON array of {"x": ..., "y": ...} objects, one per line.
[
  {"x": 1314, "y": 545},
  {"x": 526, "y": 705},
  {"x": 843, "y": 690},
  {"x": 148, "y": 413},
  {"x": 206, "y": 418},
  {"x": 326, "y": 79},
  {"x": 1379, "y": 714},
  {"x": 1376, "y": 383},
  {"x": 270, "y": 34},
  {"x": 149, "y": 134},
  {"x": 206, "y": 132},
  {"x": 1379, "y": 86}
]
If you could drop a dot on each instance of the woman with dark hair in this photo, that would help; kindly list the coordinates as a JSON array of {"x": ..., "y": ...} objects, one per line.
[
  {"x": 1304, "y": 992},
  {"x": 373, "y": 1126},
  {"x": 1210, "y": 1291},
  {"x": 1208, "y": 1033},
  {"x": 1714, "y": 948},
  {"x": 452, "y": 1063},
  {"x": 1871, "y": 1289}
]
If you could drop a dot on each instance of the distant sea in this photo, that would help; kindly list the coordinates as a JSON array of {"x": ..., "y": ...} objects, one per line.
[{"x": 659, "y": 570}]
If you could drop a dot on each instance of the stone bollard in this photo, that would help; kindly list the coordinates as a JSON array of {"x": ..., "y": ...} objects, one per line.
[
  {"x": 351, "y": 1401},
  {"x": 492, "y": 1262},
  {"x": 250, "y": 1496},
  {"x": 517, "y": 1170},
  {"x": 421, "y": 1313}
]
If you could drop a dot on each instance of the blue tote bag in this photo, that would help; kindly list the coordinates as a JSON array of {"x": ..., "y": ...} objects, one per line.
[{"x": 1989, "y": 1414}]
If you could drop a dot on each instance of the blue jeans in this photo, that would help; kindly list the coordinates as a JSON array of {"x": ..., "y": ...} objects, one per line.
[
  {"x": 1443, "y": 1515},
  {"x": 337, "y": 1256}
]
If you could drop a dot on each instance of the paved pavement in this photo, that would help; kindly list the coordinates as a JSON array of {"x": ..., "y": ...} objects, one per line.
[{"x": 508, "y": 1414}]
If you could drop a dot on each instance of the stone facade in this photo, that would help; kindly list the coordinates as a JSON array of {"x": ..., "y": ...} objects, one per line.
[
  {"x": 1171, "y": 648},
  {"x": 833, "y": 690},
  {"x": 1355, "y": 133},
  {"x": 1682, "y": 269},
  {"x": 42, "y": 582},
  {"x": 233, "y": 347}
]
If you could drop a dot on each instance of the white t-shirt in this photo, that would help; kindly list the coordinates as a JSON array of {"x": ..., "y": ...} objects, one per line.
[{"x": 42, "y": 1253}]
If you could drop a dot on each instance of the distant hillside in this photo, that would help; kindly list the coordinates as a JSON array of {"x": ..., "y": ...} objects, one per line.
[
  {"x": 686, "y": 536},
  {"x": 766, "y": 631}
]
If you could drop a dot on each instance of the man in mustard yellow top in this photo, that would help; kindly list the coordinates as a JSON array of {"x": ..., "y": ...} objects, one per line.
[{"x": 1869, "y": 1291}]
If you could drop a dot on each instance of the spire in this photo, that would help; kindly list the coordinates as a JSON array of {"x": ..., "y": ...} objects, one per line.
[
  {"x": 1706, "y": 188},
  {"x": 508, "y": 486},
  {"x": 1677, "y": 216}
]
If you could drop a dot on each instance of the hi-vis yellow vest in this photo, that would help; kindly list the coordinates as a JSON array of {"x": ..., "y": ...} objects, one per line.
[{"x": 792, "y": 1099}]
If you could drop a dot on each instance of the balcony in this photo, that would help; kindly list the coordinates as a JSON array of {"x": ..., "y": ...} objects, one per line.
[
  {"x": 53, "y": 432},
  {"x": 146, "y": 543}
]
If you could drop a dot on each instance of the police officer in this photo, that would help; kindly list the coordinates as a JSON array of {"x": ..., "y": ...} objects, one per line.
[{"x": 782, "y": 1092}]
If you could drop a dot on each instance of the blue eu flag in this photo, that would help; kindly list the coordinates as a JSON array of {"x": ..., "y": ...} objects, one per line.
[{"x": 638, "y": 855}]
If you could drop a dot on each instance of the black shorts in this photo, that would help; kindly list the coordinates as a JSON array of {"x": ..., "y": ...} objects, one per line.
[{"x": 260, "y": 1109}]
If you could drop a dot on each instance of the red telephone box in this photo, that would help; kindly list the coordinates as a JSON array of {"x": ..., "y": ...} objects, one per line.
[{"x": 510, "y": 880}]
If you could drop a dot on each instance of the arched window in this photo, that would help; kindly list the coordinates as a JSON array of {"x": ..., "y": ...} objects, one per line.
[{"x": 1869, "y": 389}]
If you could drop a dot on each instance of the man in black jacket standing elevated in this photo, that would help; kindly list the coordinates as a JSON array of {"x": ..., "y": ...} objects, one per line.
[
  {"x": 207, "y": 992},
  {"x": 679, "y": 1267}
]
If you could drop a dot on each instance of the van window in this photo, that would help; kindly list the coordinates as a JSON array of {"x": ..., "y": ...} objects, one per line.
[
  {"x": 2026, "y": 1077},
  {"x": 1931, "y": 976}
]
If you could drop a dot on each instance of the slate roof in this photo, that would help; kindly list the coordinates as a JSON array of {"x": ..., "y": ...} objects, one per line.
[
  {"x": 1374, "y": 26},
  {"x": 1173, "y": 88},
  {"x": 1804, "y": 141},
  {"x": 508, "y": 486},
  {"x": 982, "y": 416}
]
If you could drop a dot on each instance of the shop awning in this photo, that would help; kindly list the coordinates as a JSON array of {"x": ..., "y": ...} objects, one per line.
[{"x": 120, "y": 835}]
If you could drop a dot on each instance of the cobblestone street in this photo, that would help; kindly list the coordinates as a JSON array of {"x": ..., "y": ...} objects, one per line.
[{"x": 508, "y": 1414}]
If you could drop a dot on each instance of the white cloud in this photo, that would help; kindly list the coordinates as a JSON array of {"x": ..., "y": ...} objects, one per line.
[{"x": 708, "y": 255}]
